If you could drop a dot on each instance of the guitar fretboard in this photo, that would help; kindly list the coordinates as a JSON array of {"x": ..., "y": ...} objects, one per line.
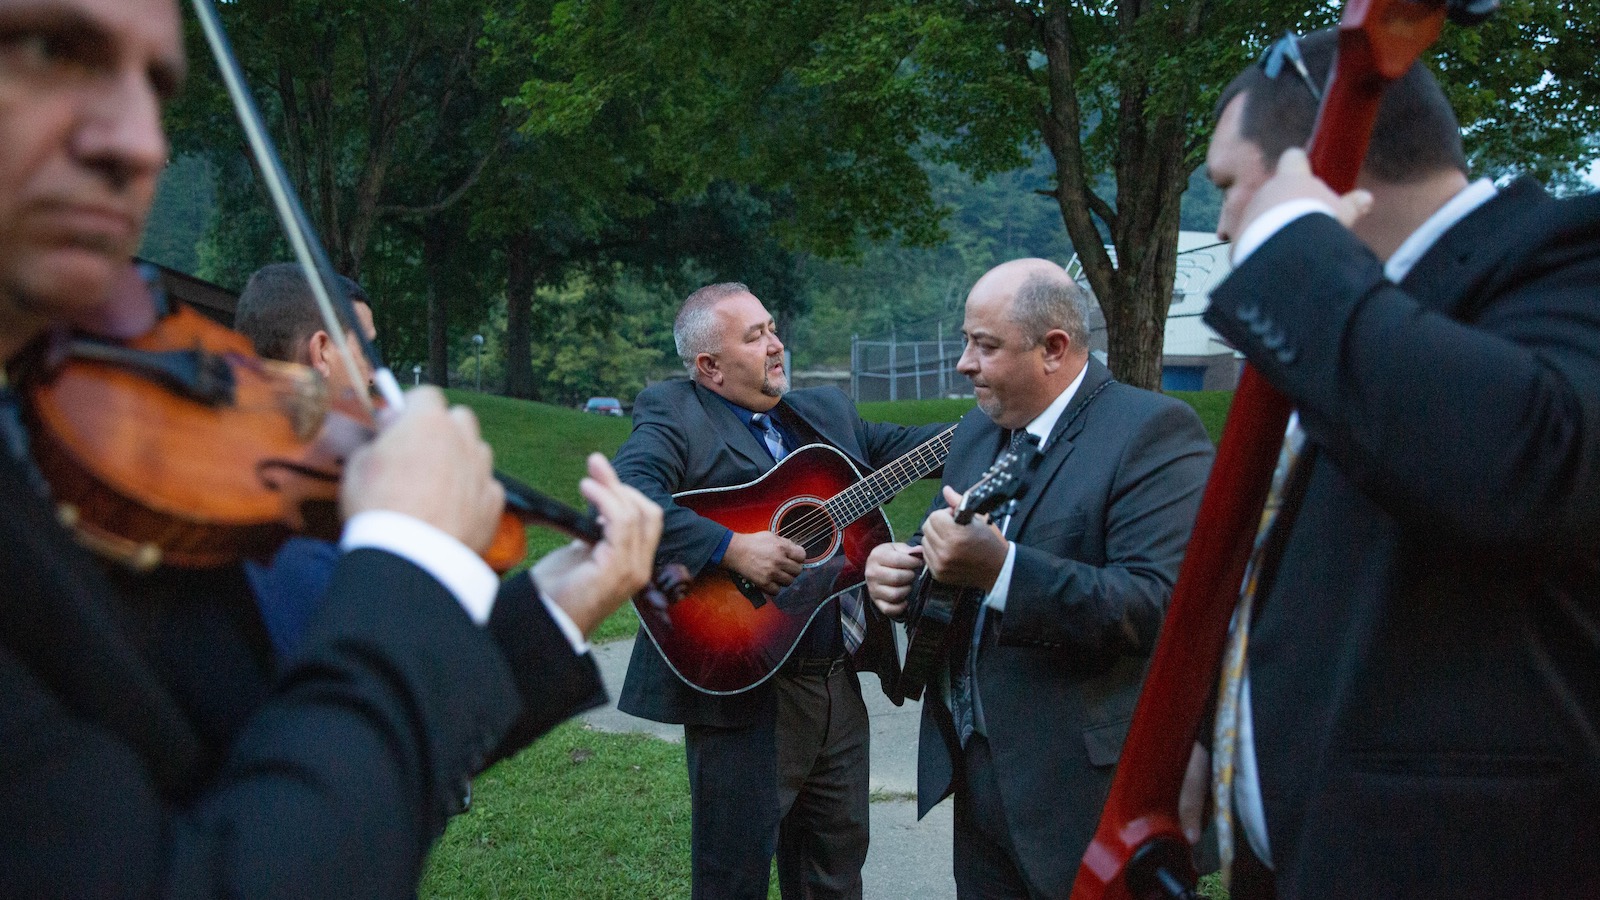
[{"x": 880, "y": 487}]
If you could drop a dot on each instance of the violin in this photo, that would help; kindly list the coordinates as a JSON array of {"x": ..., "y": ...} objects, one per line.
[
  {"x": 167, "y": 440},
  {"x": 181, "y": 446}
]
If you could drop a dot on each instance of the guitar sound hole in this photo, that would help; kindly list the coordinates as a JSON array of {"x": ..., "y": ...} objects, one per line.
[{"x": 806, "y": 523}]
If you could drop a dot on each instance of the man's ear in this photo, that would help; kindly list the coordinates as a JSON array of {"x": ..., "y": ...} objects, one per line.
[
  {"x": 1056, "y": 346},
  {"x": 707, "y": 370},
  {"x": 319, "y": 350}
]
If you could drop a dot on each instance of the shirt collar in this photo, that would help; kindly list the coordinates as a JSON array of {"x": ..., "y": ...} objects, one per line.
[
  {"x": 744, "y": 415},
  {"x": 1045, "y": 422},
  {"x": 1406, "y": 255}
]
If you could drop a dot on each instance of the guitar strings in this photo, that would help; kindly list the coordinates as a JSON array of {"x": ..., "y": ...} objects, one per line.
[
  {"x": 994, "y": 472},
  {"x": 821, "y": 521},
  {"x": 826, "y": 518}
]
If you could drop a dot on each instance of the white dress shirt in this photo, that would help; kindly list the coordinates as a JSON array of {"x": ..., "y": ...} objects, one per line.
[{"x": 1041, "y": 426}]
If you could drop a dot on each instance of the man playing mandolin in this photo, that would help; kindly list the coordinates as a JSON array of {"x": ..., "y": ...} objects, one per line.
[
  {"x": 1041, "y": 670},
  {"x": 1418, "y": 713},
  {"x": 146, "y": 747},
  {"x": 783, "y": 767}
]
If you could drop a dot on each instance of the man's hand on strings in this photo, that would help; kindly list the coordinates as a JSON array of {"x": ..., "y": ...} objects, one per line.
[
  {"x": 770, "y": 562},
  {"x": 1293, "y": 181},
  {"x": 891, "y": 570},
  {"x": 428, "y": 462},
  {"x": 972, "y": 554}
]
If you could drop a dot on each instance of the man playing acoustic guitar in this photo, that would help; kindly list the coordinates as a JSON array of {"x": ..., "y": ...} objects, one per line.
[{"x": 780, "y": 768}]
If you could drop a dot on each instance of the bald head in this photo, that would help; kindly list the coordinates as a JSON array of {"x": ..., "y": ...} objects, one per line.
[
  {"x": 1043, "y": 297},
  {"x": 1026, "y": 339}
]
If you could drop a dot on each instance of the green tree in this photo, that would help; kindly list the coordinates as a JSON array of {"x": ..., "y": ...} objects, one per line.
[
  {"x": 184, "y": 205},
  {"x": 835, "y": 101},
  {"x": 356, "y": 91}
]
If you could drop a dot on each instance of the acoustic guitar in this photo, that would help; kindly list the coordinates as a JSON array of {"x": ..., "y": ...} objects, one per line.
[
  {"x": 933, "y": 603},
  {"x": 725, "y": 636}
]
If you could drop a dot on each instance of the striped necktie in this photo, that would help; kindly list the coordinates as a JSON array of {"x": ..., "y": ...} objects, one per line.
[
  {"x": 769, "y": 434},
  {"x": 853, "y": 619}
]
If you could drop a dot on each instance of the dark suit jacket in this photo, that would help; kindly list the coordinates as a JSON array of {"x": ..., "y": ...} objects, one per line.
[
  {"x": 1425, "y": 668},
  {"x": 1099, "y": 535},
  {"x": 146, "y": 749},
  {"x": 685, "y": 437}
]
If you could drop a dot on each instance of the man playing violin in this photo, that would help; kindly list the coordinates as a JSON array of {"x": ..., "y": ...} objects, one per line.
[
  {"x": 1419, "y": 711},
  {"x": 147, "y": 747}
]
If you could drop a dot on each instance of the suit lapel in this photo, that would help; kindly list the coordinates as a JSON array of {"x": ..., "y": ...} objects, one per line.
[
  {"x": 833, "y": 430},
  {"x": 726, "y": 422},
  {"x": 1096, "y": 378},
  {"x": 57, "y": 615}
]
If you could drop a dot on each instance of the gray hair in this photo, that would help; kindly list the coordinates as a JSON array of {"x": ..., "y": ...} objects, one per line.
[
  {"x": 1048, "y": 301},
  {"x": 695, "y": 330}
]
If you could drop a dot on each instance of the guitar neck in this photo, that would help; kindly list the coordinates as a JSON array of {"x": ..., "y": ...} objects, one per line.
[{"x": 880, "y": 487}]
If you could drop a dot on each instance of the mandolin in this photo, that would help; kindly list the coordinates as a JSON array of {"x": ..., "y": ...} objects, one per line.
[{"x": 933, "y": 604}]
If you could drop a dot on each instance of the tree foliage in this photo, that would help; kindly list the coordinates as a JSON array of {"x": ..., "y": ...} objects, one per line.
[
  {"x": 538, "y": 169},
  {"x": 1118, "y": 92}
]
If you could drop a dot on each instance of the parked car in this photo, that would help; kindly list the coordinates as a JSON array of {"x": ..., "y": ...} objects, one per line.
[{"x": 605, "y": 406}]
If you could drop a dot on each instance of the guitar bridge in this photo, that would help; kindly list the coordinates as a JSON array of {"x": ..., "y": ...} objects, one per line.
[{"x": 748, "y": 589}]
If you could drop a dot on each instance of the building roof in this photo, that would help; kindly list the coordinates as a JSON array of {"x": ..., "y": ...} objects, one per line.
[
  {"x": 215, "y": 301},
  {"x": 1202, "y": 265}
]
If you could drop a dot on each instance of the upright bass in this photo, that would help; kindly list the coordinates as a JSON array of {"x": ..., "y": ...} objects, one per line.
[{"x": 1139, "y": 850}]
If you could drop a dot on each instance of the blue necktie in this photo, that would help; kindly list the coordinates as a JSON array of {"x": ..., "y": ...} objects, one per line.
[{"x": 769, "y": 434}]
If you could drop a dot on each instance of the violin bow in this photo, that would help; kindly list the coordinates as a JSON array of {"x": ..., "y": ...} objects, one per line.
[
  {"x": 1139, "y": 850},
  {"x": 307, "y": 246},
  {"x": 330, "y": 294}
]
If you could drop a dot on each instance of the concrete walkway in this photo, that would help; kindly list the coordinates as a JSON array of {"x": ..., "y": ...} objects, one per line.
[{"x": 908, "y": 860}]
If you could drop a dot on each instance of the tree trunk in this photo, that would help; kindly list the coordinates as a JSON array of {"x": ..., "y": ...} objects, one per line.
[
  {"x": 520, "y": 282},
  {"x": 435, "y": 247},
  {"x": 1134, "y": 288}
]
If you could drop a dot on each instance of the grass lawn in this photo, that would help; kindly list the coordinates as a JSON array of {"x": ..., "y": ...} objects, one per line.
[
  {"x": 580, "y": 814},
  {"x": 593, "y": 815}
]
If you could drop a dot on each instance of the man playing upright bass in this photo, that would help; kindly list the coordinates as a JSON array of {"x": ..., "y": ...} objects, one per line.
[{"x": 1419, "y": 706}]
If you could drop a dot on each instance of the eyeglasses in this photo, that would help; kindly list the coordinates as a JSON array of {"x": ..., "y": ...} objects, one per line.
[{"x": 1287, "y": 50}]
